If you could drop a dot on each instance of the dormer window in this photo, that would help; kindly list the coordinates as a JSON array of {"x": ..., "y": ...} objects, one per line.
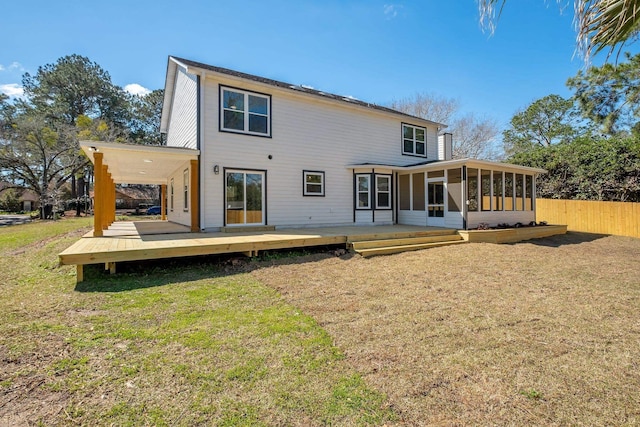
[
  {"x": 245, "y": 112},
  {"x": 414, "y": 140}
]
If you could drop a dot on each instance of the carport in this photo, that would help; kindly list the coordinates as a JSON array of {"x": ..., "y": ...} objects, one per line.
[{"x": 115, "y": 163}]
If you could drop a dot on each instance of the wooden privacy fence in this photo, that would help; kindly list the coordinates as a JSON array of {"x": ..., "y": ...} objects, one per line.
[{"x": 589, "y": 216}]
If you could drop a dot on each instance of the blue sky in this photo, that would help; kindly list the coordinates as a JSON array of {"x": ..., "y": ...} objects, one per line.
[{"x": 373, "y": 50}]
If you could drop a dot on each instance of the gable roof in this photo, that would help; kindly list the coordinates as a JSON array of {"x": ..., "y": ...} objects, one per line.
[{"x": 186, "y": 63}]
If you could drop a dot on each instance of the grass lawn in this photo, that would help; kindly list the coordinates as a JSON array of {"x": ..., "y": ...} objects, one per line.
[
  {"x": 538, "y": 333},
  {"x": 186, "y": 343},
  {"x": 545, "y": 332}
]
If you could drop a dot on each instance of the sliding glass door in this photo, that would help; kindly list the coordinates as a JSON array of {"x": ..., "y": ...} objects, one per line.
[{"x": 244, "y": 197}]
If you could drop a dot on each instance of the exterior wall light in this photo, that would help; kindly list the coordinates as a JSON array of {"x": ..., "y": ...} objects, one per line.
[{"x": 216, "y": 169}]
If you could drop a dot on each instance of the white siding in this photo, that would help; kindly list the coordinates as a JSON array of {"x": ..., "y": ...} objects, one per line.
[
  {"x": 412, "y": 218},
  {"x": 183, "y": 123},
  {"x": 445, "y": 146},
  {"x": 307, "y": 134},
  {"x": 178, "y": 214},
  {"x": 453, "y": 219}
]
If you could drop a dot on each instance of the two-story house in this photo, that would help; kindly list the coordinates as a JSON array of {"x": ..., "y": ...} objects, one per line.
[{"x": 244, "y": 150}]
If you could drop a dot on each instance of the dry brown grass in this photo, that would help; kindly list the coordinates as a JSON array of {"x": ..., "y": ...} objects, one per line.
[{"x": 539, "y": 333}]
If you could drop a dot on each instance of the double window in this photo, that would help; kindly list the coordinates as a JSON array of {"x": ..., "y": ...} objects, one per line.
[
  {"x": 245, "y": 112},
  {"x": 365, "y": 195},
  {"x": 313, "y": 182},
  {"x": 414, "y": 140}
]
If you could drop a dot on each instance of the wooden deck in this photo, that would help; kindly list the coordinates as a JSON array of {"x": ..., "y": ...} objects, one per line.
[{"x": 143, "y": 240}]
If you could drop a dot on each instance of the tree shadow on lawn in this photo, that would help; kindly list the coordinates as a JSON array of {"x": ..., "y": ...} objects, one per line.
[
  {"x": 143, "y": 274},
  {"x": 570, "y": 238}
]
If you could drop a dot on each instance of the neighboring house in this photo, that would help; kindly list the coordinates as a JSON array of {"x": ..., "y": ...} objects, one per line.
[
  {"x": 130, "y": 197},
  {"x": 28, "y": 200},
  {"x": 244, "y": 150}
]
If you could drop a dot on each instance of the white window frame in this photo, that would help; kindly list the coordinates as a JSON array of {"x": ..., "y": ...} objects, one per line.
[
  {"x": 185, "y": 182},
  {"x": 171, "y": 193},
  {"x": 245, "y": 111},
  {"x": 388, "y": 191},
  {"x": 358, "y": 192},
  {"x": 414, "y": 140},
  {"x": 305, "y": 189}
]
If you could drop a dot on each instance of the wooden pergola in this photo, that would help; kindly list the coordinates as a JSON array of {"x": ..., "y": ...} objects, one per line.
[{"x": 115, "y": 163}]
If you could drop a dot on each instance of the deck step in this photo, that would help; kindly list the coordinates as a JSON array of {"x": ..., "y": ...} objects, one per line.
[
  {"x": 388, "y": 250},
  {"x": 404, "y": 241},
  {"x": 247, "y": 229}
]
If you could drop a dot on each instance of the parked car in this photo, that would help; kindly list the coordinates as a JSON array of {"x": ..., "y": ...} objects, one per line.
[{"x": 154, "y": 210}]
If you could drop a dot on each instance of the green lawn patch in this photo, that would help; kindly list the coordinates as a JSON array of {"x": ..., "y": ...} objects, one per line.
[{"x": 182, "y": 345}]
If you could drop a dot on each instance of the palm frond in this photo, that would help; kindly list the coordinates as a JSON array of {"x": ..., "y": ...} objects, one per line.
[{"x": 603, "y": 24}]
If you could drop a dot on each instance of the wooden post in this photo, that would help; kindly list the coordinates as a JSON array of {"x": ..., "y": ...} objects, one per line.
[
  {"x": 104, "y": 197},
  {"x": 163, "y": 201},
  {"x": 113, "y": 201},
  {"x": 98, "y": 208},
  {"x": 80, "y": 273},
  {"x": 194, "y": 196}
]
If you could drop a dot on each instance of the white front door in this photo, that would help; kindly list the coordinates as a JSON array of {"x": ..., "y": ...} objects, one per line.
[{"x": 244, "y": 197}]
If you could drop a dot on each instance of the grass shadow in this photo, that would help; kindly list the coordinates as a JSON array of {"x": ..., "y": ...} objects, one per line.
[
  {"x": 132, "y": 275},
  {"x": 570, "y": 238}
]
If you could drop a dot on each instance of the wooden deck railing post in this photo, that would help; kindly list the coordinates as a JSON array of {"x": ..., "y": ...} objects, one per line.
[
  {"x": 194, "y": 195},
  {"x": 98, "y": 209}
]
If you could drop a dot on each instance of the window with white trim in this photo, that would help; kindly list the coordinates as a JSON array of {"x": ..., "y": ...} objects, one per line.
[
  {"x": 171, "y": 192},
  {"x": 363, "y": 191},
  {"x": 245, "y": 112},
  {"x": 414, "y": 140},
  {"x": 383, "y": 192},
  {"x": 313, "y": 182},
  {"x": 185, "y": 181}
]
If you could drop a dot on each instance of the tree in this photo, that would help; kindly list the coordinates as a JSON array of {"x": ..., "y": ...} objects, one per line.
[
  {"x": 588, "y": 168},
  {"x": 544, "y": 122},
  {"x": 472, "y": 136},
  {"x": 146, "y": 110},
  {"x": 35, "y": 156},
  {"x": 600, "y": 24},
  {"x": 72, "y": 87},
  {"x": 610, "y": 95}
]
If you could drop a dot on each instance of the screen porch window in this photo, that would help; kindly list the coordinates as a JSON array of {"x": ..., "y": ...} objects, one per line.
[
  {"x": 363, "y": 191},
  {"x": 313, "y": 182},
  {"x": 414, "y": 140},
  {"x": 245, "y": 112}
]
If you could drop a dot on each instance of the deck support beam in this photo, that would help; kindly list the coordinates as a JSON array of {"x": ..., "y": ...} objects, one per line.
[{"x": 79, "y": 273}]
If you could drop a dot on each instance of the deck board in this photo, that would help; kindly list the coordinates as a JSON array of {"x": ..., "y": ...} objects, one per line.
[{"x": 128, "y": 241}]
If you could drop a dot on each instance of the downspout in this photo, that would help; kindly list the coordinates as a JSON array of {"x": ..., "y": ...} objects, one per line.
[{"x": 199, "y": 147}]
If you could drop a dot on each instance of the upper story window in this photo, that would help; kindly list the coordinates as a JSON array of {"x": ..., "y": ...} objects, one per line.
[
  {"x": 245, "y": 112},
  {"x": 414, "y": 140}
]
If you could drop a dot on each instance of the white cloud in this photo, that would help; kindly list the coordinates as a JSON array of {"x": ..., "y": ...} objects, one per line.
[
  {"x": 391, "y": 10},
  {"x": 14, "y": 66},
  {"x": 13, "y": 90},
  {"x": 136, "y": 89}
]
